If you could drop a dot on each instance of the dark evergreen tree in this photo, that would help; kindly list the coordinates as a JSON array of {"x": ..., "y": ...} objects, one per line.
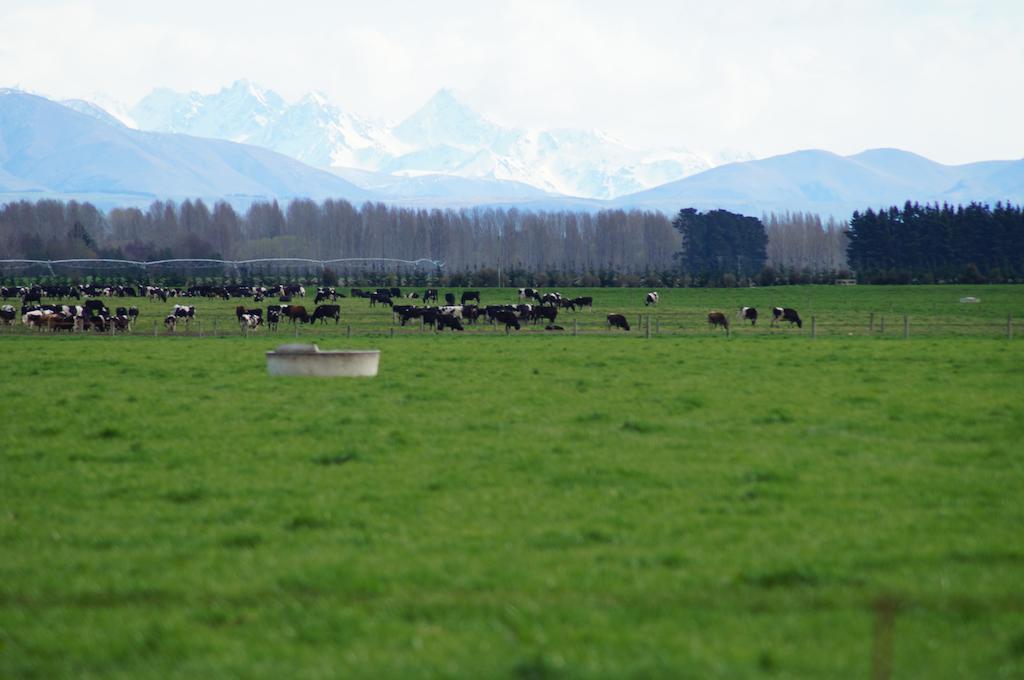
[{"x": 719, "y": 242}]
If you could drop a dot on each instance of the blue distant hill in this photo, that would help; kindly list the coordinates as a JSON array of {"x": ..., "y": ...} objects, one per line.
[{"x": 829, "y": 184}]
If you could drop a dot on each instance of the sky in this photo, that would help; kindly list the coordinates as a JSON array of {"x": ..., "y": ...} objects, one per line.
[{"x": 942, "y": 78}]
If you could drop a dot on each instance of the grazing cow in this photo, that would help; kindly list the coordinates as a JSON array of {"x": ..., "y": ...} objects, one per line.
[
  {"x": 357, "y": 292},
  {"x": 786, "y": 314},
  {"x": 618, "y": 321},
  {"x": 34, "y": 295},
  {"x": 551, "y": 299},
  {"x": 170, "y": 322},
  {"x": 584, "y": 301},
  {"x": 749, "y": 314},
  {"x": 470, "y": 295},
  {"x": 448, "y": 321},
  {"x": 470, "y": 313},
  {"x": 718, "y": 319},
  {"x": 509, "y": 319},
  {"x": 553, "y": 327},
  {"x": 325, "y": 312},
  {"x": 186, "y": 312},
  {"x": 383, "y": 298},
  {"x": 296, "y": 313},
  {"x": 651, "y": 299},
  {"x": 430, "y": 294},
  {"x": 250, "y": 321},
  {"x": 449, "y": 299},
  {"x": 273, "y": 316},
  {"x": 8, "y": 314}
]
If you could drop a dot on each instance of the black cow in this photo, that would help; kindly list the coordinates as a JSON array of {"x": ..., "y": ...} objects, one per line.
[
  {"x": 585, "y": 301},
  {"x": 618, "y": 321},
  {"x": 718, "y": 319},
  {"x": 324, "y": 312},
  {"x": 548, "y": 313},
  {"x": 509, "y": 319},
  {"x": 133, "y": 313},
  {"x": 448, "y": 321},
  {"x": 553, "y": 327},
  {"x": 786, "y": 314},
  {"x": 449, "y": 299},
  {"x": 470, "y": 295},
  {"x": 383, "y": 298},
  {"x": 430, "y": 294},
  {"x": 749, "y": 314}
]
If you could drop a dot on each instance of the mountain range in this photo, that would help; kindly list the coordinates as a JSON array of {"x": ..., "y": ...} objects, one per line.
[
  {"x": 444, "y": 136},
  {"x": 245, "y": 144}
]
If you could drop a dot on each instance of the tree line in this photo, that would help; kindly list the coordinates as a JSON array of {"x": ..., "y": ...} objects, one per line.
[
  {"x": 481, "y": 246},
  {"x": 975, "y": 243}
]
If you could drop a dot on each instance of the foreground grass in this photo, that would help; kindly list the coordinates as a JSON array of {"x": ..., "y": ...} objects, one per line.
[{"x": 512, "y": 507}]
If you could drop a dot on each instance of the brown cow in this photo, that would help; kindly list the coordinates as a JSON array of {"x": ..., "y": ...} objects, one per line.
[{"x": 718, "y": 319}]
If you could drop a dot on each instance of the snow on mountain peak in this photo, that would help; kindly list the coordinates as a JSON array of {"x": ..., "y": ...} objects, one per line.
[{"x": 444, "y": 136}]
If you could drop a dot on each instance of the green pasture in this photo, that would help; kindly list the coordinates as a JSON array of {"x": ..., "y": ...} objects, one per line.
[
  {"x": 541, "y": 506},
  {"x": 840, "y": 311}
]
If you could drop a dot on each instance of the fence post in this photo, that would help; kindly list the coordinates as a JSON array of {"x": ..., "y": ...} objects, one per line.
[
  {"x": 574, "y": 327},
  {"x": 814, "y": 327},
  {"x": 906, "y": 326},
  {"x": 349, "y": 333},
  {"x": 871, "y": 324},
  {"x": 154, "y": 327},
  {"x": 392, "y": 331},
  {"x": 647, "y": 330},
  {"x": 1009, "y": 326}
]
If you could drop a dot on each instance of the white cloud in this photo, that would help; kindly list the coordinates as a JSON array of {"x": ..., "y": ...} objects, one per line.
[{"x": 937, "y": 77}]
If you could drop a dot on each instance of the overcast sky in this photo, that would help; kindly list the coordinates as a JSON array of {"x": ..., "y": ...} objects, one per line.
[{"x": 944, "y": 78}]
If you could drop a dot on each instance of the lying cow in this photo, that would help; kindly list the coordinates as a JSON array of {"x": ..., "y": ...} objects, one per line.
[
  {"x": 718, "y": 319},
  {"x": 618, "y": 321},
  {"x": 786, "y": 314}
]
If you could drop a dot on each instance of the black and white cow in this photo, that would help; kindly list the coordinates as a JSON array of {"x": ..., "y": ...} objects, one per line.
[
  {"x": 786, "y": 314},
  {"x": 273, "y": 317},
  {"x": 430, "y": 294},
  {"x": 651, "y": 299},
  {"x": 250, "y": 321},
  {"x": 8, "y": 314},
  {"x": 618, "y": 321},
  {"x": 170, "y": 322},
  {"x": 185, "y": 312},
  {"x": 584, "y": 301},
  {"x": 748, "y": 314}
]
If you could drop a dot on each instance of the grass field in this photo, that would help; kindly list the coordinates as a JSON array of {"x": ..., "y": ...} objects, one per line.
[{"x": 534, "y": 506}]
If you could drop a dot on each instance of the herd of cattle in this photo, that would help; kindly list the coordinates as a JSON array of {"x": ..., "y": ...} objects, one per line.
[{"x": 534, "y": 307}]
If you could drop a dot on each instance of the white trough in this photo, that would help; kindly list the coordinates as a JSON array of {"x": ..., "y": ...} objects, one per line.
[{"x": 311, "y": 360}]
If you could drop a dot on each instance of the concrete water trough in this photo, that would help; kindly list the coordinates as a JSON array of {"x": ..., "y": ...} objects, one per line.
[{"x": 301, "y": 359}]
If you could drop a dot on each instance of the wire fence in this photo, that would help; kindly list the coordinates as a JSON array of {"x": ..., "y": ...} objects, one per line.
[{"x": 582, "y": 324}]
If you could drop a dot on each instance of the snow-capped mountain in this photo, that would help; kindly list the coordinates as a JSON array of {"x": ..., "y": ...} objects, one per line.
[{"x": 445, "y": 136}]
